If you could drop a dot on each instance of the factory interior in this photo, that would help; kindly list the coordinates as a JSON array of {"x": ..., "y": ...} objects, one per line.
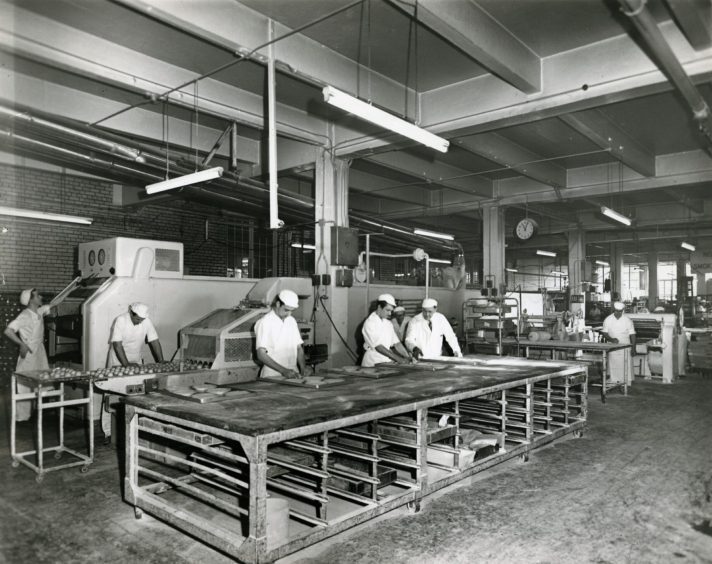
[{"x": 412, "y": 281}]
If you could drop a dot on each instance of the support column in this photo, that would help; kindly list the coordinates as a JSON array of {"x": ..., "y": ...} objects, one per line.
[
  {"x": 652, "y": 280},
  {"x": 493, "y": 242},
  {"x": 577, "y": 266},
  {"x": 331, "y": 198},
  {"x": 616, "y": 271}
]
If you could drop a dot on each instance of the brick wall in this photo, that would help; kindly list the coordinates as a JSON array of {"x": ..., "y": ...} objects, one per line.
[{"x": 42, "y": 254}]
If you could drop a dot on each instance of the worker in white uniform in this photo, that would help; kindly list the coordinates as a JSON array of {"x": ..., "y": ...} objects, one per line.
[
  {"x": 279, "y": 342},
  {"x": 27, "y": 331},
  {"x": 618, "y": 328},
  {"x": 426, "y": 331},
  {"x": 400, "y": 322},
  {"x": 128, "y": 334},
  {"x": 380, "y": 340}
]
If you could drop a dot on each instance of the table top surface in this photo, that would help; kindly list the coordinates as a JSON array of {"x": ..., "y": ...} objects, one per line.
[
  {"x": 574, "y": 345},
  {"x": 271, "y": 407}
]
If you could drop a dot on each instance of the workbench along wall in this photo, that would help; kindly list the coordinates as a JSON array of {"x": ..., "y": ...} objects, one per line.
[{"x": 43, "y": 253}]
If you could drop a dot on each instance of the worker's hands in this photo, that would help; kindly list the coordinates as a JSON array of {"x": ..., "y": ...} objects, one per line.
[
  {"x": 458, "y": 355},
  {"x": 613, "y": 340},
  {"x": 291, "y": 374},
  {"x": 402, "y": 360},
  {"x": 24, "y": 349},
  {"x": 417, "y": 353}
]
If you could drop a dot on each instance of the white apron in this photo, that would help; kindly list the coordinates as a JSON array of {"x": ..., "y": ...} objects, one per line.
[{"x": 36, "y": 360}]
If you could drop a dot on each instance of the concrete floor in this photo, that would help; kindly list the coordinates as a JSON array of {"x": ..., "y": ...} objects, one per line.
[{"x": 636, "y": 488}]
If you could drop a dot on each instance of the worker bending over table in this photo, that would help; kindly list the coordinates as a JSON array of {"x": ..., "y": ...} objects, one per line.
[
  {"x": 27, "y": 331},
  {"x": 380, "y": 339},
  {"x": 128, "y": 334},
  {"x": 279, "y": 342},
  {"x": 619, "y": 328},
  {"x": 424, "y": 338}
]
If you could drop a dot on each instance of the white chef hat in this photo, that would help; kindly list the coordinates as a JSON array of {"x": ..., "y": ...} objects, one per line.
[
  {"x": 399, "y": 309},
  {"x": 390, "y": 300},
  {"x": 139, "y": 309},
  {"x": 429, "y": 303},
  {"x": 619, "y": 306},
  {"x": 289, "y": 298},
  {"x": 25, "y": 296}
]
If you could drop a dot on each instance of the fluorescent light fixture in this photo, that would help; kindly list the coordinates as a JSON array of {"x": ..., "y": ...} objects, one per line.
[
  {"x": 511, "y": 270},
  {"x": 557, "y": 273},
  {"x": 440, "y": 261},
  {"x": 31, "y": 214},
  {"x": 383, "y": 119},
  {"x": 602, "y": 263},
  {"x": 687, "y": 246},
  {"x": 185, "y": 180},
  {"x": 434, "y": 234},
  {"x": 304, "y": 246},
  {"x": 619, "y": 217},
  {"x": 545, "y": 253}
]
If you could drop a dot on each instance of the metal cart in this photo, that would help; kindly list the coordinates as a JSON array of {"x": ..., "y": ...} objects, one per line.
[{"x": 43, "y": 389}]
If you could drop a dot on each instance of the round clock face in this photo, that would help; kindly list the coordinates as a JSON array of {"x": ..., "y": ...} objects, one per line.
[{"x": 526, "y": 229}]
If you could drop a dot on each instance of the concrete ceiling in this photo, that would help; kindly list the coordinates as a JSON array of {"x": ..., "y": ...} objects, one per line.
[{"x": 552, "y": 107}]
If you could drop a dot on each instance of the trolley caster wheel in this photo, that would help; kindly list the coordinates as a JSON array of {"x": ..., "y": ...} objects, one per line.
[
  {"x": 39, "y": 478},
  {"x": 578, "y": 434},
  {"x": 84, "y": 469},
  {"x": 524, "y": 458},
  {"x": 15, "y": 463},
  {"x": 414, "y": 507},
  {"x": 57, "y": 455},
  {"x": 138, "y": 513}
]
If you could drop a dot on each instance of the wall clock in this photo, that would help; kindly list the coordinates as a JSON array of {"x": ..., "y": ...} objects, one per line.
[{"x": 526, "y": 229}]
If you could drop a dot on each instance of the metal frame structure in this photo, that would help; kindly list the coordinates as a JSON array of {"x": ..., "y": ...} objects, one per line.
[
  {"x": 229, "y": 472},
  {"x": 40, "y": 394}
]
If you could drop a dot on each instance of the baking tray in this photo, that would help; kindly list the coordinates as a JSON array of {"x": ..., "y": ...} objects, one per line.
[
  {"x": 301, "y": 383},
  {"x": 367, "y": 371}
]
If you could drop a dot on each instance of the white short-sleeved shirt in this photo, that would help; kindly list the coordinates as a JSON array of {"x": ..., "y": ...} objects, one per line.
[
  {"x": 401, "y": 328},
  {"x": 30, "y": 327},
  {"x": 377, "y": 331},
  {"x": 132, "y": 337},
  {"x": 620, "y": 329},
  {"x": 281, "y": 339},
  {"x": 430, "y": 341}
]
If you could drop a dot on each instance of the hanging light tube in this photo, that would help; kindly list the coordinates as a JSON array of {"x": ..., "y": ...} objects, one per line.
[
  {"x": 185, "y": 180},
  {"x": 557, "y": 273},
  {"x": 545, "y": 253},
  {"x": 511, "y": 270},
  {"x": 434, "y": 234},
  {"x": 619, "y": 217},
  {"x": 602, "y": 263},
  {"x": 383, "y": 119},
  {"x": 31, "y": 214},
  {"x": 304, "y": 246},
  {"x": 688, "y": 246},
  {"x": 440, "y": 261}
]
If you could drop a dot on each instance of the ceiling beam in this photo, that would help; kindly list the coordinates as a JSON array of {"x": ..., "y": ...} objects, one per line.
[
  {"x": 694, "y": 17},
  {"x": 501, "y": 150},
  {"x": 434, "y": 172},
  {"x": 239, "y": 29},
  {"x": 599, "y": 128},
  {"x": 475, "y": 32},
  {"x": 101, "y": 60}
]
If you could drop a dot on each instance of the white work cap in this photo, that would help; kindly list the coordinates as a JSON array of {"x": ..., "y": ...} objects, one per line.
[
  {"x": 429, "y": 303},
  {"x": 139, "y": 309},
  {"x": 619, "y": 306},
  {"x": 289, "y": 298},
  {"x": 25, "y": 296},
  {"x": 399, "y": 309},
  {"x": 390, "y": 300}
]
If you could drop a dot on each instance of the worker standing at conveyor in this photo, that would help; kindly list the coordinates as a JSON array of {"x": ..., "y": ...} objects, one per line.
[
  {"x": 128, "y": 334},
  {"x": 380, "y": 339},
  {"x": 279, "y": 342},
  {"x": 426, "y": 331},
  {"x": 619, "y": 328},
  {"x": 27, "y": 331}
]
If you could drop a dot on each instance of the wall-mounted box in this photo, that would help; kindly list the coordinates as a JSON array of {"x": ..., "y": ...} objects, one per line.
[
  {"x": 344, "y": 246},
  {"x": 344, "y": 278}
]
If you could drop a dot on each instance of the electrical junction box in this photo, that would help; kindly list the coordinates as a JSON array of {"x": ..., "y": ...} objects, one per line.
[
  {"x": 344, "y": 246},
  {"x": 344, "y": 278}
]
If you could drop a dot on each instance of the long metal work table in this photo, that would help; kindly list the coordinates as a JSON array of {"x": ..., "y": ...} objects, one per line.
[
  {"x": 278, "y": 467},
  {"x": 48, "y": 393},
  {"x": 604, "y": 349}
]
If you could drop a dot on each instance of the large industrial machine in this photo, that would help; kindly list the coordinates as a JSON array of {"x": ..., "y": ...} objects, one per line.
[{"x": 658, "y": 337}]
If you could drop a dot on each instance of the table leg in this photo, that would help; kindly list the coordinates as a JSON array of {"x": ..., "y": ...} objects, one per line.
[
  {"x": 626, "y": 371},
  {"x": 90, "y": 393},
  {"x": 604, "y": 370},
  {"x": 13, "y": 414},
  {"x": 40, "y": 442},
  {"x": 61, "y": 416}
]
